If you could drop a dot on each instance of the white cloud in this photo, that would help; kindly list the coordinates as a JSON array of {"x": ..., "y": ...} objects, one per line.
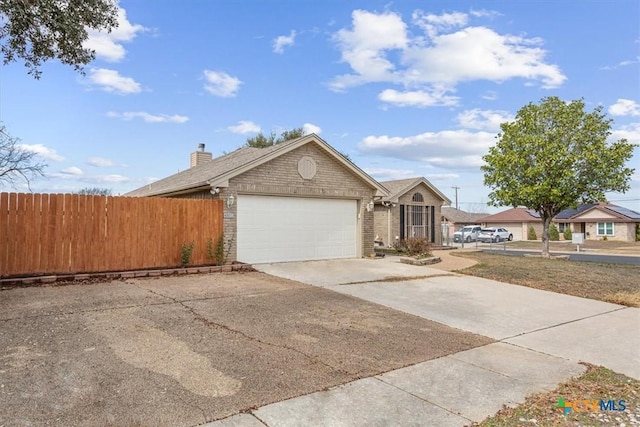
[
  {"x": 109, "y": 179},
  {"x": 244, "y": 126},
  {"x": 625, "y": 107},
  {"x": 309, "y": 128},
  {"x": 490, "y": 95},
  {"x": 418, "y": 98},
  {"x": 221, "y": 84},
  {"x": 112, "y": 81},
  {"x": 459, "y": 149},
  {"x": 479, "y": 53},
  {"x": 483, "y": 13},
  {"x": 379, "y": 48},
  {"x": 42, "y": 151},
  {"x": 100, "y": 162},
  {"x": 389, "y": 174},
  {"x": 488, "y": 120},
  {"x": 73, "y": 170},
  {"x": 279, "y": 43},
  {"x": 630, "y": 132},
  {"x": 108, "y": 46},
  {"x": 363, "y": 47},
  {"x": 149, "y": 118},
  {"x": 432, "y": 24}
]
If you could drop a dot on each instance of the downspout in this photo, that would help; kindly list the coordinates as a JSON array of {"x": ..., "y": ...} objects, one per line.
[{"x": 389, "y": 225}]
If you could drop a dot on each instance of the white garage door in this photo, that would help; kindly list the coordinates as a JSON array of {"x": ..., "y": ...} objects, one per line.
[
  {"x": 276, "y": 229},
  {"x": 514, "y": 228}
]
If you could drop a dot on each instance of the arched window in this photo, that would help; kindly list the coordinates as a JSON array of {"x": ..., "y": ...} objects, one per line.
[{"x": 417, "y": 198}]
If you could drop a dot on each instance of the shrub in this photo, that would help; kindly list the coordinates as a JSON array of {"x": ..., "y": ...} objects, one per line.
[
  {"x": 637, "y": 232},
  {"x": 186, "y": 250},
  {"x": 554, "y": 235},
  {"x": 531, "y": 233},
  {"x": 414, "y": 246},
  {"x": 216, "y": 252},
  {"x": 567, "y": 233}
]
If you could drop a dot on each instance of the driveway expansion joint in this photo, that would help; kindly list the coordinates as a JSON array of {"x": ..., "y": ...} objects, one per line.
[
  {"x": 396, "y": 279},
  {"x": 563, "y": 323},
  {"x": 422, "y": 398}
]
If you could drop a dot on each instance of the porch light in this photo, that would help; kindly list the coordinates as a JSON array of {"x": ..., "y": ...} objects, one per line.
[
  {"x": 230, "y": 201},
  {"x": 370, "y": 206}
]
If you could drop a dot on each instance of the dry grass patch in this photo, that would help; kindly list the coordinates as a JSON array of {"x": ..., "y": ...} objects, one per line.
[
  {"x": 595, "y": 384},
  {"x": 632, "y": 299},
  {"x": 618, "y": 283}
]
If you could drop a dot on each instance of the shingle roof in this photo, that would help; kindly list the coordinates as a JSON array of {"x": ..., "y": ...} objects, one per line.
[
  {"x": 199, "y": 175},
  {"x": 513, "y": 215},
  {"x": 399, "y": 187},
  {"x": 573, "y": 215},
  {"x": 568, "y": 213},
  {"x": 458, "y": 216},
  {"x": 225, "y": 167}
]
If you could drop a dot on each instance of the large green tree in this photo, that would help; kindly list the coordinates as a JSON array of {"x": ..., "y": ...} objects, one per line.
[
  {"x": 39, "y": 30},
  {"x": 262, "y": 141},
  {"x": 554, "y": 156}
]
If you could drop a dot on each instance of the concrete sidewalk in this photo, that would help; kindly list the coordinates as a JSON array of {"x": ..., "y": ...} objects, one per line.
[{"x": 543, "y": 337}]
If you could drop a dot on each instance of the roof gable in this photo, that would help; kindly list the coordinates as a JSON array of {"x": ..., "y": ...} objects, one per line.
[
  {"x": 398, "y": 188},
  {"x": 218, "y": 172},
  {"x": 513, "y": 215},
  {"x": 607, "y": 212},
  {"x": 459, "y": 216}
]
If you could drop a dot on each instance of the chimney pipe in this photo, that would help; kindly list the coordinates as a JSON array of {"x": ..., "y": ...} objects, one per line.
[{"x": 201, "y": 147}]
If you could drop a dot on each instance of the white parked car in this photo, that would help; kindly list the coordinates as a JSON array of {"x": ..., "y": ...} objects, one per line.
[
  {"x": 468, "y": 234},
  {"x": 494, "y": 234}
]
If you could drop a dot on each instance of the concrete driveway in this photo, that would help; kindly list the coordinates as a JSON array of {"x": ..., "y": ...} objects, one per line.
[
  {"x": 191, "y": 349},
  {"x": 570, "y": 327}
]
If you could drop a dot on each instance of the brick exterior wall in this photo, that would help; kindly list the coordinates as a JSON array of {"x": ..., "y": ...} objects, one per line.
[
  {"x": 280, "y": 177},
  {"x": 622, "y": 231},
  {"x": 381, "y": 221}
]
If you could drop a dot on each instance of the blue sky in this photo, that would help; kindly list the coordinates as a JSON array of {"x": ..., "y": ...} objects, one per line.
[{"x": 407, "y": 88}]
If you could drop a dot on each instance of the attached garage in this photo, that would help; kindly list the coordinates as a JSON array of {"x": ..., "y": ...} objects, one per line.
[
  {"x": 293, "y": 201},
  {"x": 514, "y": 228},
  {"x": 276, "y": 229},
  {"x": 516, "y": 220}
]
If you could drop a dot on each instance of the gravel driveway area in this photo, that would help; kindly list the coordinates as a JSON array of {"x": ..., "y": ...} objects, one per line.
[{"x": 186, "y": 350}]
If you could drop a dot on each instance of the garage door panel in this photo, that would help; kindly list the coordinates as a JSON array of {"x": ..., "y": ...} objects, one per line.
[{"x": 275, "y": 229}]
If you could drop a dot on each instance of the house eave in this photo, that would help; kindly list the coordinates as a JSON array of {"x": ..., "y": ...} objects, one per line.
[{"x": 223, "y": 180}]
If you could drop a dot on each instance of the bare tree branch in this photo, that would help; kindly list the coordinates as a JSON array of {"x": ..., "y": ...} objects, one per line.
[{"x": 16, "y": 162}]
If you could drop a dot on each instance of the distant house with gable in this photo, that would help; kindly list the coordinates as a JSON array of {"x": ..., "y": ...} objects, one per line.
[
  {"x": 517, "y": 221},
  {"x": 454, "y": 219},
  {"x": 600, "y": 221}
]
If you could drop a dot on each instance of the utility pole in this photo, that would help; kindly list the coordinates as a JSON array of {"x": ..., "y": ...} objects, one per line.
[{"x": 456, "y": 188}]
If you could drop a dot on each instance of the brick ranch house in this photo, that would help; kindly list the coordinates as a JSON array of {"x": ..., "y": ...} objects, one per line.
[
  {"x": 596, "y": 221},
  {"x": 293, "y": 201},
  {"x": 413, "y": 208},
  {"x": 600, "y": 221}
]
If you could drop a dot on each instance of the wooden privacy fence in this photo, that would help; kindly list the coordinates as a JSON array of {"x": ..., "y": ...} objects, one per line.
[{"x": 70, "y": 233}]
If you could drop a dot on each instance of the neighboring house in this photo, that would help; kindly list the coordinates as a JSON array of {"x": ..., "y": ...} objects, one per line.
[
  {"x": 411, "y": 209},
  {"x": 600, "y": 220},
  {"x": 297, "y": 200},
  {"x": 517, "y": 221},
  {"x": 454, "y": 219}
]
